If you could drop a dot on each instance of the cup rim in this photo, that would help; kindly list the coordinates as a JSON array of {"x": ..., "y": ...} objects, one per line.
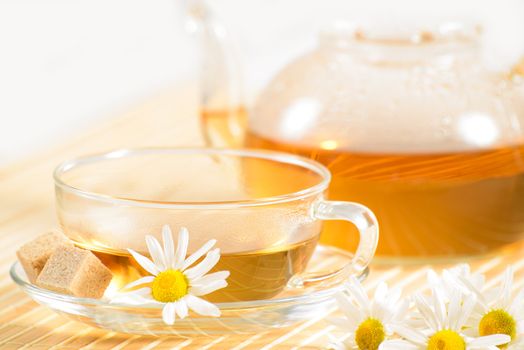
[{"x": 275, "y": 156}]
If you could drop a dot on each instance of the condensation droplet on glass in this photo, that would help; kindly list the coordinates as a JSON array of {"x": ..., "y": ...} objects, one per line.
[
  {"x": 442, "y": 132},
  {"x": 446, "y": 120}
]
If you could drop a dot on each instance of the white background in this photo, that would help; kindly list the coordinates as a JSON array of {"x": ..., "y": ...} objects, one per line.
[{"x": 65, "y": 64}]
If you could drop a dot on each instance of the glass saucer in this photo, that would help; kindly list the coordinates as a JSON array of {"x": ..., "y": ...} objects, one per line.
[{"x": 291, "y": 306}]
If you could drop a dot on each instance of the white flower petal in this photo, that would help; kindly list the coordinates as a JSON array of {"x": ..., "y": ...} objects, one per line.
[
  {"x": 379, "y": 310},
  {"x": 349, "y": 343},
  {"x": 181, "y": 250},
  {"x": 379, "y": 306},
  {"x": 426, "y": 311},
  {"x": 155, "y": 250},
  {"x": 351, "y": 312},
  {"x": 410, "y": 334},
  {"x": 140, "y": 281},
  {"x": 401, "y": 311},
  {"x": 433, "y": 278},
  {"x": 439, "y": 309},
  {"x": 454, "y": 309},
  {"x": 169, "y": 246},
  {"x": 168, "y": 314},
  {"x": 198, "y": 254},
  {"x": 181, "y": 308},
  {"x": 507, "y": 284},
  {"x": 467, "y": 307},
  {"x": 474, "y": 319},
  {"x": 219, "y": 275},
  {"x": 208, "y": 288},
  {"x": 450, "y": 280},
  {"x": 345, "y": 324},
  {"x": 516, "y": 345},
  {"x": 517, "y": 307},
  {"x": 480, "y": 297},
  {"x": 393, "y": 296},
  {"x": 142, "y": 292},
  {"x": 470, "y": 332},
  {"x": 202, "y": 307},
  {"x": 520, "y": 326},
  {"x": 490, "y": 340},
  {"x": 204, "y": 266},
  {"x": 357, "y": 291},
  {"x": 381, "y": 292},
  {"x": 336, "y": 346},
  {"x": 397, "y": 344},
  {"x": 144, "y": 262},
  {"x": 478, "y": 280},
  {"x": 463, "y": 269}
]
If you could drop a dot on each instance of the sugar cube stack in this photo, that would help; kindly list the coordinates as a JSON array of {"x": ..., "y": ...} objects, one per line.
[
  {"x": 33, "y": 255},
  {"x": 75, "y": 271},
  {"x": 52, "y": 261}
]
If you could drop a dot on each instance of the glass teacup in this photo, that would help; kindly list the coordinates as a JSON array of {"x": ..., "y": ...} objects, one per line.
[{"x": 264, "y": 208}]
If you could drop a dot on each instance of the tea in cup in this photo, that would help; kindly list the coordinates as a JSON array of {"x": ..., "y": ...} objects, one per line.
[{"x": 264, "y": 208}]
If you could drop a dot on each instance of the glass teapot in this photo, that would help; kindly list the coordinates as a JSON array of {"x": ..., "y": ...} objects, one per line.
[{"x": 412, "y": 125}]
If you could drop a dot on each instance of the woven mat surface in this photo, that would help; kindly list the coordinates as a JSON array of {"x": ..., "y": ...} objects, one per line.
[{"x": 27, "y": 209}]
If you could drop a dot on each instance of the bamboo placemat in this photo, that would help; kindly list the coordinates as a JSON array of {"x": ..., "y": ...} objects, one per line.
[{"x": 27, "y": 209}]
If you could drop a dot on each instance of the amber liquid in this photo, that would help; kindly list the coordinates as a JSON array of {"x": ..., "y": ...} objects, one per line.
[
  {"x": 224, "y": 127},
  {"x": 427, "y": 205},
  {"x": 255, "y": 275}
]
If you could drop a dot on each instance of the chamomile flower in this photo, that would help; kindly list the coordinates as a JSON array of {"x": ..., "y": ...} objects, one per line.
[
  {"x": 444, "y": 322},
  {"x": 173, "y": 282},
  {"x": 449, "y": 280},
  {"x": 497, "y": 311},
  {"x": 367, "y": 322}
]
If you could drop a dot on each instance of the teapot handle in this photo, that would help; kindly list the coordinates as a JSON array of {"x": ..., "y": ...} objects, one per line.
[{"x": 222, "y": 115}]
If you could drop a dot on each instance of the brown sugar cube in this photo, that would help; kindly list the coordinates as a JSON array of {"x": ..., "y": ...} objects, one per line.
[
  {"x": 75, "y": 271},
  {"x": 33, "y": 255}
]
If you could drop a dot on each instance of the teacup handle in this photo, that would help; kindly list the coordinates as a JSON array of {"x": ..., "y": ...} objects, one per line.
[{"x": 367, "y": 226}]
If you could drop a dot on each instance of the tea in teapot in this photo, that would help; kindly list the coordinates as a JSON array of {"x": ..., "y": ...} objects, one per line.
[{"x": 415, "y": 128}]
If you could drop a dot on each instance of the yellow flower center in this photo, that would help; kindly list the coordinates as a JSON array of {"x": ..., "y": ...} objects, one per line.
[
  {"x": 498, "y": 322},
  {"x": 446, "y": 340},
  {"x": 370, "y": 334},
  {"x": 169, "y": 286}
]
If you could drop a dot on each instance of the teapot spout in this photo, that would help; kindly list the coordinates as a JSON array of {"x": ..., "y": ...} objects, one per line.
[{"x": 222, "y": 112}]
